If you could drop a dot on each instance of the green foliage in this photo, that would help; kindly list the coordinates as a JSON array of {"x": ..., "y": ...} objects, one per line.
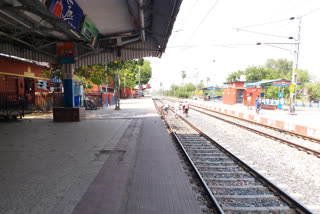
[
  {"x": 128, "y": 70},
  {"x": 96, "y": 74},
  {"x": 273, "y": 69},
  {"x": 235, "y": 76},
  {"x": 185, "y": 91},
  {"x": 200, "y": 85},
  {"x": 313, "y": 90},
  {"x": 53, "y": 71}
]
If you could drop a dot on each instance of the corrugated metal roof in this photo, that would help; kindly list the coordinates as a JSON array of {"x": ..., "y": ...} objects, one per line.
[
  {"x": 20, "y": 51},
  {"x": 38, "y": 44}
]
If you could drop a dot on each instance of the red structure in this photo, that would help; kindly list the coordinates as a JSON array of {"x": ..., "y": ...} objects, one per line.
[
  {"x": 21, "y": 79},
  {"x": 236, "y": 92}
]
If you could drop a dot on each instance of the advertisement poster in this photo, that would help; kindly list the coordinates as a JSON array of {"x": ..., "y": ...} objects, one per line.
[
  {"x": 65, "y": 52},
  {"x": 89, "y": 31},
  {"x": 68, "y": 11}
]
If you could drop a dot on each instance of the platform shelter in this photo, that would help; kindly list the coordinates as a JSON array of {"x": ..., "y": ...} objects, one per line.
[{"x": 80, "y": 32}]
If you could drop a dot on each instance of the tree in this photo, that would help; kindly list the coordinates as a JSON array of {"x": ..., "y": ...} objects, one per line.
[
  {"x": 54, "y": 70},
  {"x": 273, "y": 69},
  {"x": 105, "y": 72},
  {"x": 208, "y": 80},
  {"x": 235, "y": 76},
  {"x": 183, "y": 76},
  {"x": 313, "y": 90}
]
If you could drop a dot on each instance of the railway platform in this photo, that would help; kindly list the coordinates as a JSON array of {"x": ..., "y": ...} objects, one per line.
[
  {"x": 112, "y": 162},
  {"x": 304, "y": 122}
]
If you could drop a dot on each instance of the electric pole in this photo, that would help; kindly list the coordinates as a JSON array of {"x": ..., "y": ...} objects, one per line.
[
  {"x": 294, "y": 81},
  {"x": 139, "y": 82}
]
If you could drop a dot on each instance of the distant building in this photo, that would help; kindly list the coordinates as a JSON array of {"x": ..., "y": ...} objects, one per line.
[
  {"x": 236, "y": 92},
  {"x": 23, "y": 80}
]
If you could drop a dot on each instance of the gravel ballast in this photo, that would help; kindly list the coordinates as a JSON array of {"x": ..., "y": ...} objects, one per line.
[{"x": 294, "y": 171}]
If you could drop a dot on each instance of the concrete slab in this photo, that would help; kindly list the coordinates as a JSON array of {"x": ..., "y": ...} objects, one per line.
[{"x": 118, "y": 160}]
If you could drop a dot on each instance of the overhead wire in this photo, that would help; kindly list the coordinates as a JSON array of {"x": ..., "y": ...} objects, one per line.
[
  {"x": 312, "y": 11},
  {"x": 213, "y": 6},
  {"x": 266, "y": 23},
  {"x": 266, "y": 34},
  {"x": 218, "y": 45}
]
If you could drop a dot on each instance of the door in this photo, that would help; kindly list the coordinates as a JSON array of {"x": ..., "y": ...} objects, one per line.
[
  {"x": 240, "y": 93},
  {"x": 29, "y": 93}
]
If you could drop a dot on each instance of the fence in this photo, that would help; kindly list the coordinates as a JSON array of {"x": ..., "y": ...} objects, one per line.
[{"x": 297, "y": 104}]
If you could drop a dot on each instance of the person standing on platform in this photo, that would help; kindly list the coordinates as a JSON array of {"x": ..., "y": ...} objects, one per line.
[
  {"x": 249, "y": 101},
  {"x": 176, "y": 109},
  {"x": 258, "y": 104},
  {"x": 186, "y": 108}
]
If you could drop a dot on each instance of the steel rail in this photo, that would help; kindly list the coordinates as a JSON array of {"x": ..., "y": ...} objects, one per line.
[
  {"x": 293, "y": 203},
  {"x": 316, "y": 140},
  {"x": 217, "y": 208},
  {"x": 302, "y": 148}
]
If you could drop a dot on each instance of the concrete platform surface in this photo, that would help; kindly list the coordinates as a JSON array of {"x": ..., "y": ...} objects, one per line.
[{"x": 112, "y": 162}]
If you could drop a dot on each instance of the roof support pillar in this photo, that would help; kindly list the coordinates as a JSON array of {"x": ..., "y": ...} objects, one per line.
[{"x": 68, "y": 85}]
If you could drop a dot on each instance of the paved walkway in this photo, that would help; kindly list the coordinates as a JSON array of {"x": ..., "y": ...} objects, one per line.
[{"x": 112, "y": 162}]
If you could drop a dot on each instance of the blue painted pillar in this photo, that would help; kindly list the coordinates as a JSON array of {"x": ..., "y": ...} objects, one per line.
[{"x": 68, "y": 85}]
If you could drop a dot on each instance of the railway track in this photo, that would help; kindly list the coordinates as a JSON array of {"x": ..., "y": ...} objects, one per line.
[
  {"x": 215, "y": 115},
  {"x": 233, "y": 186}
]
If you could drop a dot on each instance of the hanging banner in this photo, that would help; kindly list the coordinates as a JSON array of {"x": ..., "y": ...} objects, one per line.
[
  {"x": 68, "y": 11},
  {"x": 65, "y": 52},
  {"x": 89, "y": 31}
]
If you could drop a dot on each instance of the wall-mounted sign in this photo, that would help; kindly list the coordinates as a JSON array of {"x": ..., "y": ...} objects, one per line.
[
  {"x": 65, "y": 52},
  {"x": 68, "y": 11},
  {"x": 89, "y": 31},
  {"x": 42, "y": 84}
]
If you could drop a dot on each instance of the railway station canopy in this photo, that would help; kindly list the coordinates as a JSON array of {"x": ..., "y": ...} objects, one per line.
[
  {"x": 276, "y": 82},
  {"x": 100, "y": 30}
]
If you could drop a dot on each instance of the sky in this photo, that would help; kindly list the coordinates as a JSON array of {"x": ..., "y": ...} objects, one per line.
[{"x": 205, "y": 41}]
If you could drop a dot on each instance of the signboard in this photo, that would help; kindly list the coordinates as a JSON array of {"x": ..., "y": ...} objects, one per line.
[
  {"x": 89, "y": 31},
  {"x": 42, "y": 84},
  {"x": 280, "y": 95},
  {"x": 68, "y": 11},
  {"x": 262, "y": 94},
  {"x": 55, "y": 80},
  {"x": 281, "y": 83},
  {"x": 198, "y": 92},
  {"x": 291, "y": 88},
  {"x": 65, "y": 52}
]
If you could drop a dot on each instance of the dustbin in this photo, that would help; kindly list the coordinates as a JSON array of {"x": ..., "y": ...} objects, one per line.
[{"x": 77, "y": 101}]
